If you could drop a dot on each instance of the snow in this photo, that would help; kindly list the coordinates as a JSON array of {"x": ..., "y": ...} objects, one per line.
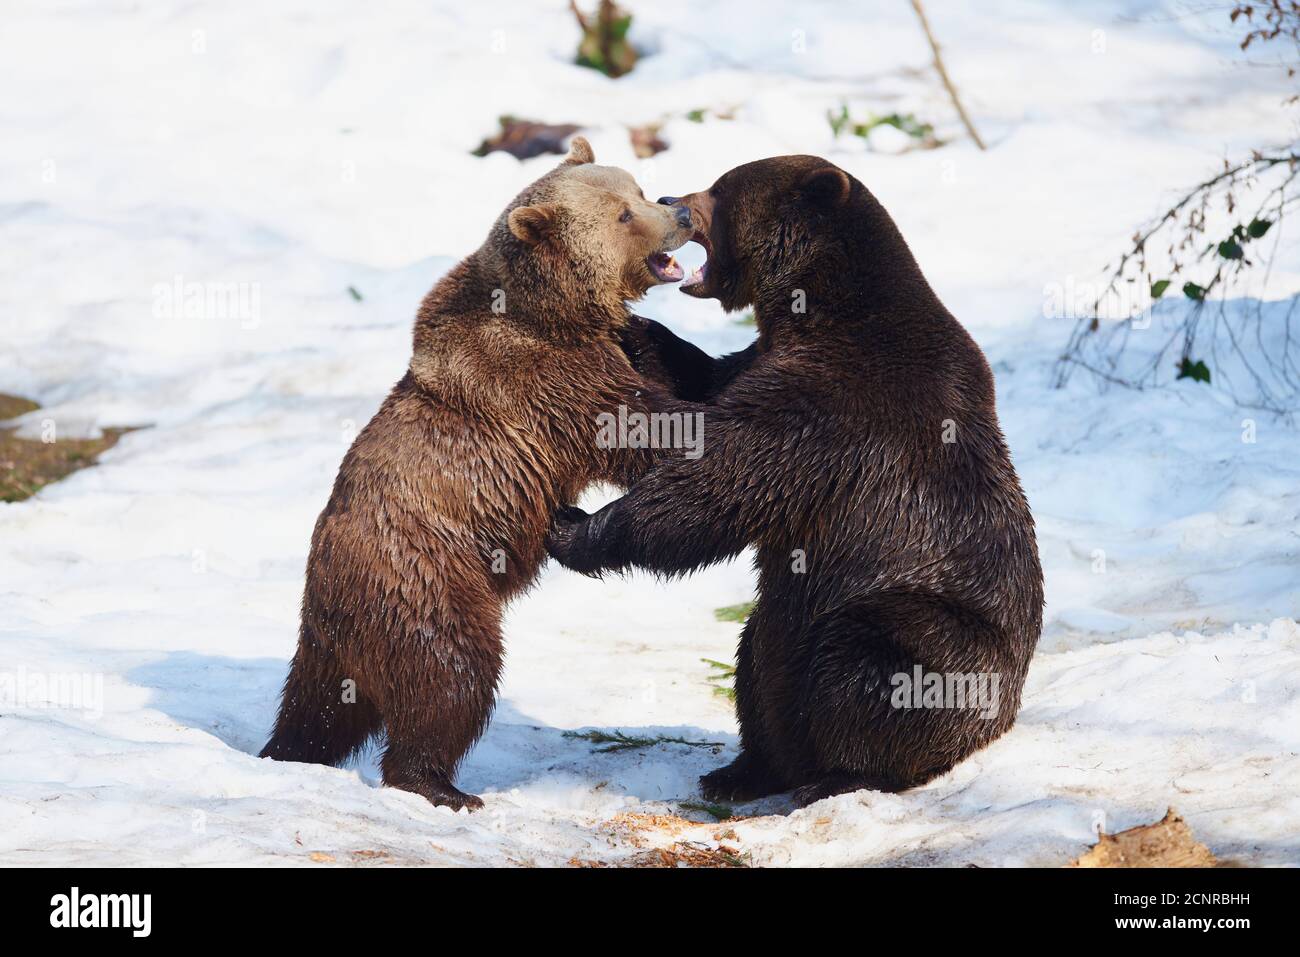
[{"x": 296, "y": 151}]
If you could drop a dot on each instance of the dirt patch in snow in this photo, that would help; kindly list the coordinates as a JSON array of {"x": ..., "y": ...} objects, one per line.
[{"x": 28, "y": 465}]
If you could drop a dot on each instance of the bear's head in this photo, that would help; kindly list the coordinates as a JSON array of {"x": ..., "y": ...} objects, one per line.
[
  {"x": 585, "y": 235},
  {"x": 779, "y": 227}
]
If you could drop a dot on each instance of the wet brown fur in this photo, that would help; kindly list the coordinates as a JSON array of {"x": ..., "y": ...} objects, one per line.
[
  {"x": 439, "y": 510},
  {"x": 879, "y": 545}
]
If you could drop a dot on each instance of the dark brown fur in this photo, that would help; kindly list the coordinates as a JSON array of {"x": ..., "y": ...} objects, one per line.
[
  {"x": 440, "y": 507},
  {"x": 824, "y": 444}
]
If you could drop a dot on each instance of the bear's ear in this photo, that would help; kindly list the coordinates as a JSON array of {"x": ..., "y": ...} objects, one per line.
[
  {"x": 532, "y": 224},
  {"x": 826, "y": 188},
  {"x": 579, "y": 152}
]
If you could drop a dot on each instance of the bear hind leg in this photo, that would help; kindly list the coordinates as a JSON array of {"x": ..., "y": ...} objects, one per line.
[
  {"x": 323, "y": 718},
  {"x": 751, "y": 775},
  {"x": 857, "y": 737},
  {"x": 437, "y": 707},
  {"x": 745, "y": 779}
]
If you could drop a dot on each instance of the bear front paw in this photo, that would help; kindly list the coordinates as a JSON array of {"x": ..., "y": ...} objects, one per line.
[{"x": 574, "y": 540}]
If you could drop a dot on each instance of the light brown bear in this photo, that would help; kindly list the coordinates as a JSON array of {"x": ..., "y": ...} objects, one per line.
[{"x": 441, "y": 506}]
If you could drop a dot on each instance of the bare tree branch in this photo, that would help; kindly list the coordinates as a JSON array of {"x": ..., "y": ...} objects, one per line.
[{"x": 943, "y": 75}]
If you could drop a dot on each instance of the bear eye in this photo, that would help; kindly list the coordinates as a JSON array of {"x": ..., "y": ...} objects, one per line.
[{"x": 625, "y": 216}]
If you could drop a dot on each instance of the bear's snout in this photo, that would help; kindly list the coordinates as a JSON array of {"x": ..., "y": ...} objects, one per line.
[{"x": 681, "y": 212}]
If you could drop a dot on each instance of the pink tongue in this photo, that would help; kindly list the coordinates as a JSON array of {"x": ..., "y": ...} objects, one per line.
[{"x": 666, "y": 267}]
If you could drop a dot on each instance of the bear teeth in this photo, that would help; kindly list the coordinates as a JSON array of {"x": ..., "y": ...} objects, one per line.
[{"x": 664, "y": 267}]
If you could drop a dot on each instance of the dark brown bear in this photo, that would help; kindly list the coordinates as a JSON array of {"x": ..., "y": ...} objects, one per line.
[
  {"x": 441, "y": 505},
  {"x": 856, "y": 446}
]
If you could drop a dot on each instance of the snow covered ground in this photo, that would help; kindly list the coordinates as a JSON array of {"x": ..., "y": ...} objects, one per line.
[{"x": 286, "y": 153}]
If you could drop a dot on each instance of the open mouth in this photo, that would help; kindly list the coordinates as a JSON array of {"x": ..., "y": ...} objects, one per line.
[
  {"x": 699, "y": 272},
  {"x": 664, "y": 267}
]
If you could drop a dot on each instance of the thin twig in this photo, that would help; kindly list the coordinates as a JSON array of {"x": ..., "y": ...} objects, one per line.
[
  {"x": 1228, "y": 173},
  {"x": 943, "y": 75},
  {"x": 582, "y": 20}
]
